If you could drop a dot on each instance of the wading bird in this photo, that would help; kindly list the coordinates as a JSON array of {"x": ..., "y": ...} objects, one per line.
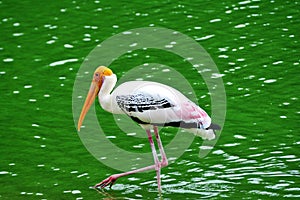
[{"x": 150, "y": 104}]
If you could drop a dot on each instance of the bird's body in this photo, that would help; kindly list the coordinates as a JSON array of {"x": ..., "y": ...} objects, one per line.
[{"x": 150, "y": 104}]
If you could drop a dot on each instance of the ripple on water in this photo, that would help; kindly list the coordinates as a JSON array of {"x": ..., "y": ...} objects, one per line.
[
  {"x": 27, "y": 86},
  {"x": 72, "y": 191},
  {"x": 277, "y": 62},
  {"x": 239, "y": 137},
  {"x": 68, "y": 46},
  {"x": 255, "y": 180},
  {"x": 278, "y": 186},
  {"x": 218, "y": 152},
  {"x": 62, "y": 62},
  {"x": 266, "y": 193},
  {"x": 35, "y": 125},
  {"x": 53, "y": 40},
  {"x": 76, "y": 192},
  {"x": 55, "y": 168},
  {"x": 82, "y": 175},
  {"x": 241, "y": 25},
  {"x": 270, "y": 81},
  {"x": 199, "y": 185},
  {"x": 17, "y": 34},
  {"x": 32, "y": 193},
  {"x": 232, "y": 144},
  {"x": 7, "y": 60},
  {"x": 205, "y": 37},
  {"x": 139, "y": 146},
  {"x": 215, "y": 20},
  {"x": 293, "y": 189},
  {"x": 218, "y": 166}
]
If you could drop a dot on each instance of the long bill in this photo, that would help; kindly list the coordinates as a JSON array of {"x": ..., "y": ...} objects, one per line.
[{"x": 94, "y": 89}]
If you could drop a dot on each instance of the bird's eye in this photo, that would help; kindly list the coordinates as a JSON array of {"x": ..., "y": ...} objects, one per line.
[{"x": 96, "y": 74}]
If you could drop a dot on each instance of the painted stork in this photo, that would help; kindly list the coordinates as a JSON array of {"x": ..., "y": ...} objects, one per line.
[{"x": 150, "y": 104}]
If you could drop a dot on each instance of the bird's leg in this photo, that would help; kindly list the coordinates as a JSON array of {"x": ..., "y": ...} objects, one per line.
[
  {"x": 156, "y": 161},
  {"x": 111, "y": 180},
  {"x": 164, "y": 160}
]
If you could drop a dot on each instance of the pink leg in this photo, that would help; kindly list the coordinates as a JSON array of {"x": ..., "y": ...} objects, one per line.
[
  {"x": 111, "y": 180},
  {"x": 156, "y": 161},
  {"x": 164, "y": 161}
]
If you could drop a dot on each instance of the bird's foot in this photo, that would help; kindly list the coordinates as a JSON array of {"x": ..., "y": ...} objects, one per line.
[{"x": 109, "y": 181}]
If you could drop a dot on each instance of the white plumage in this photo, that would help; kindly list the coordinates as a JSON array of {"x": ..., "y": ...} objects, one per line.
[{"x": 181, "y": 110}]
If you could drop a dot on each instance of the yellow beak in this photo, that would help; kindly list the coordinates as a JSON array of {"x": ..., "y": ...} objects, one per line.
[{"x": 94, "y": 89}]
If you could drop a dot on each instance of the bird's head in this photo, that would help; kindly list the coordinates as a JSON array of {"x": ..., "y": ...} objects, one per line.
[
  {"x": 99, "y": 75},
  {"x": 98, "y": 78}
]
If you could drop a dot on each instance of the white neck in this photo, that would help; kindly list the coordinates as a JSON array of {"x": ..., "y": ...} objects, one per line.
[{"x": 104, "y": 95}]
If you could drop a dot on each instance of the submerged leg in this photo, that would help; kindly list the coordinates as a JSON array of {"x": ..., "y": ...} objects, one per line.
[{"x": 111, "y": 180}]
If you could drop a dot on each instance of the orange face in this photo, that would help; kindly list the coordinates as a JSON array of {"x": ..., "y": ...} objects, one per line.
[{"x": 96, "y": 84}]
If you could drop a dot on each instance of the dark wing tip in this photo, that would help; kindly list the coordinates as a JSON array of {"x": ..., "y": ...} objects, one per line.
[{"x": 214, "y": 127}]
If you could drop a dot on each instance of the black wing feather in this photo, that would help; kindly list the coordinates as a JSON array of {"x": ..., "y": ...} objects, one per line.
[{"x": 141, "y": 103}]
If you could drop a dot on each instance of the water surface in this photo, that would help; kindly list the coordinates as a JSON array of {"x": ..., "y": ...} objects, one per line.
[{"x": 255, "y": 45}]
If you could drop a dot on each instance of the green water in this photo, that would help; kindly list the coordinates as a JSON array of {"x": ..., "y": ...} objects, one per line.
[{"x": 255, "y": 45}]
